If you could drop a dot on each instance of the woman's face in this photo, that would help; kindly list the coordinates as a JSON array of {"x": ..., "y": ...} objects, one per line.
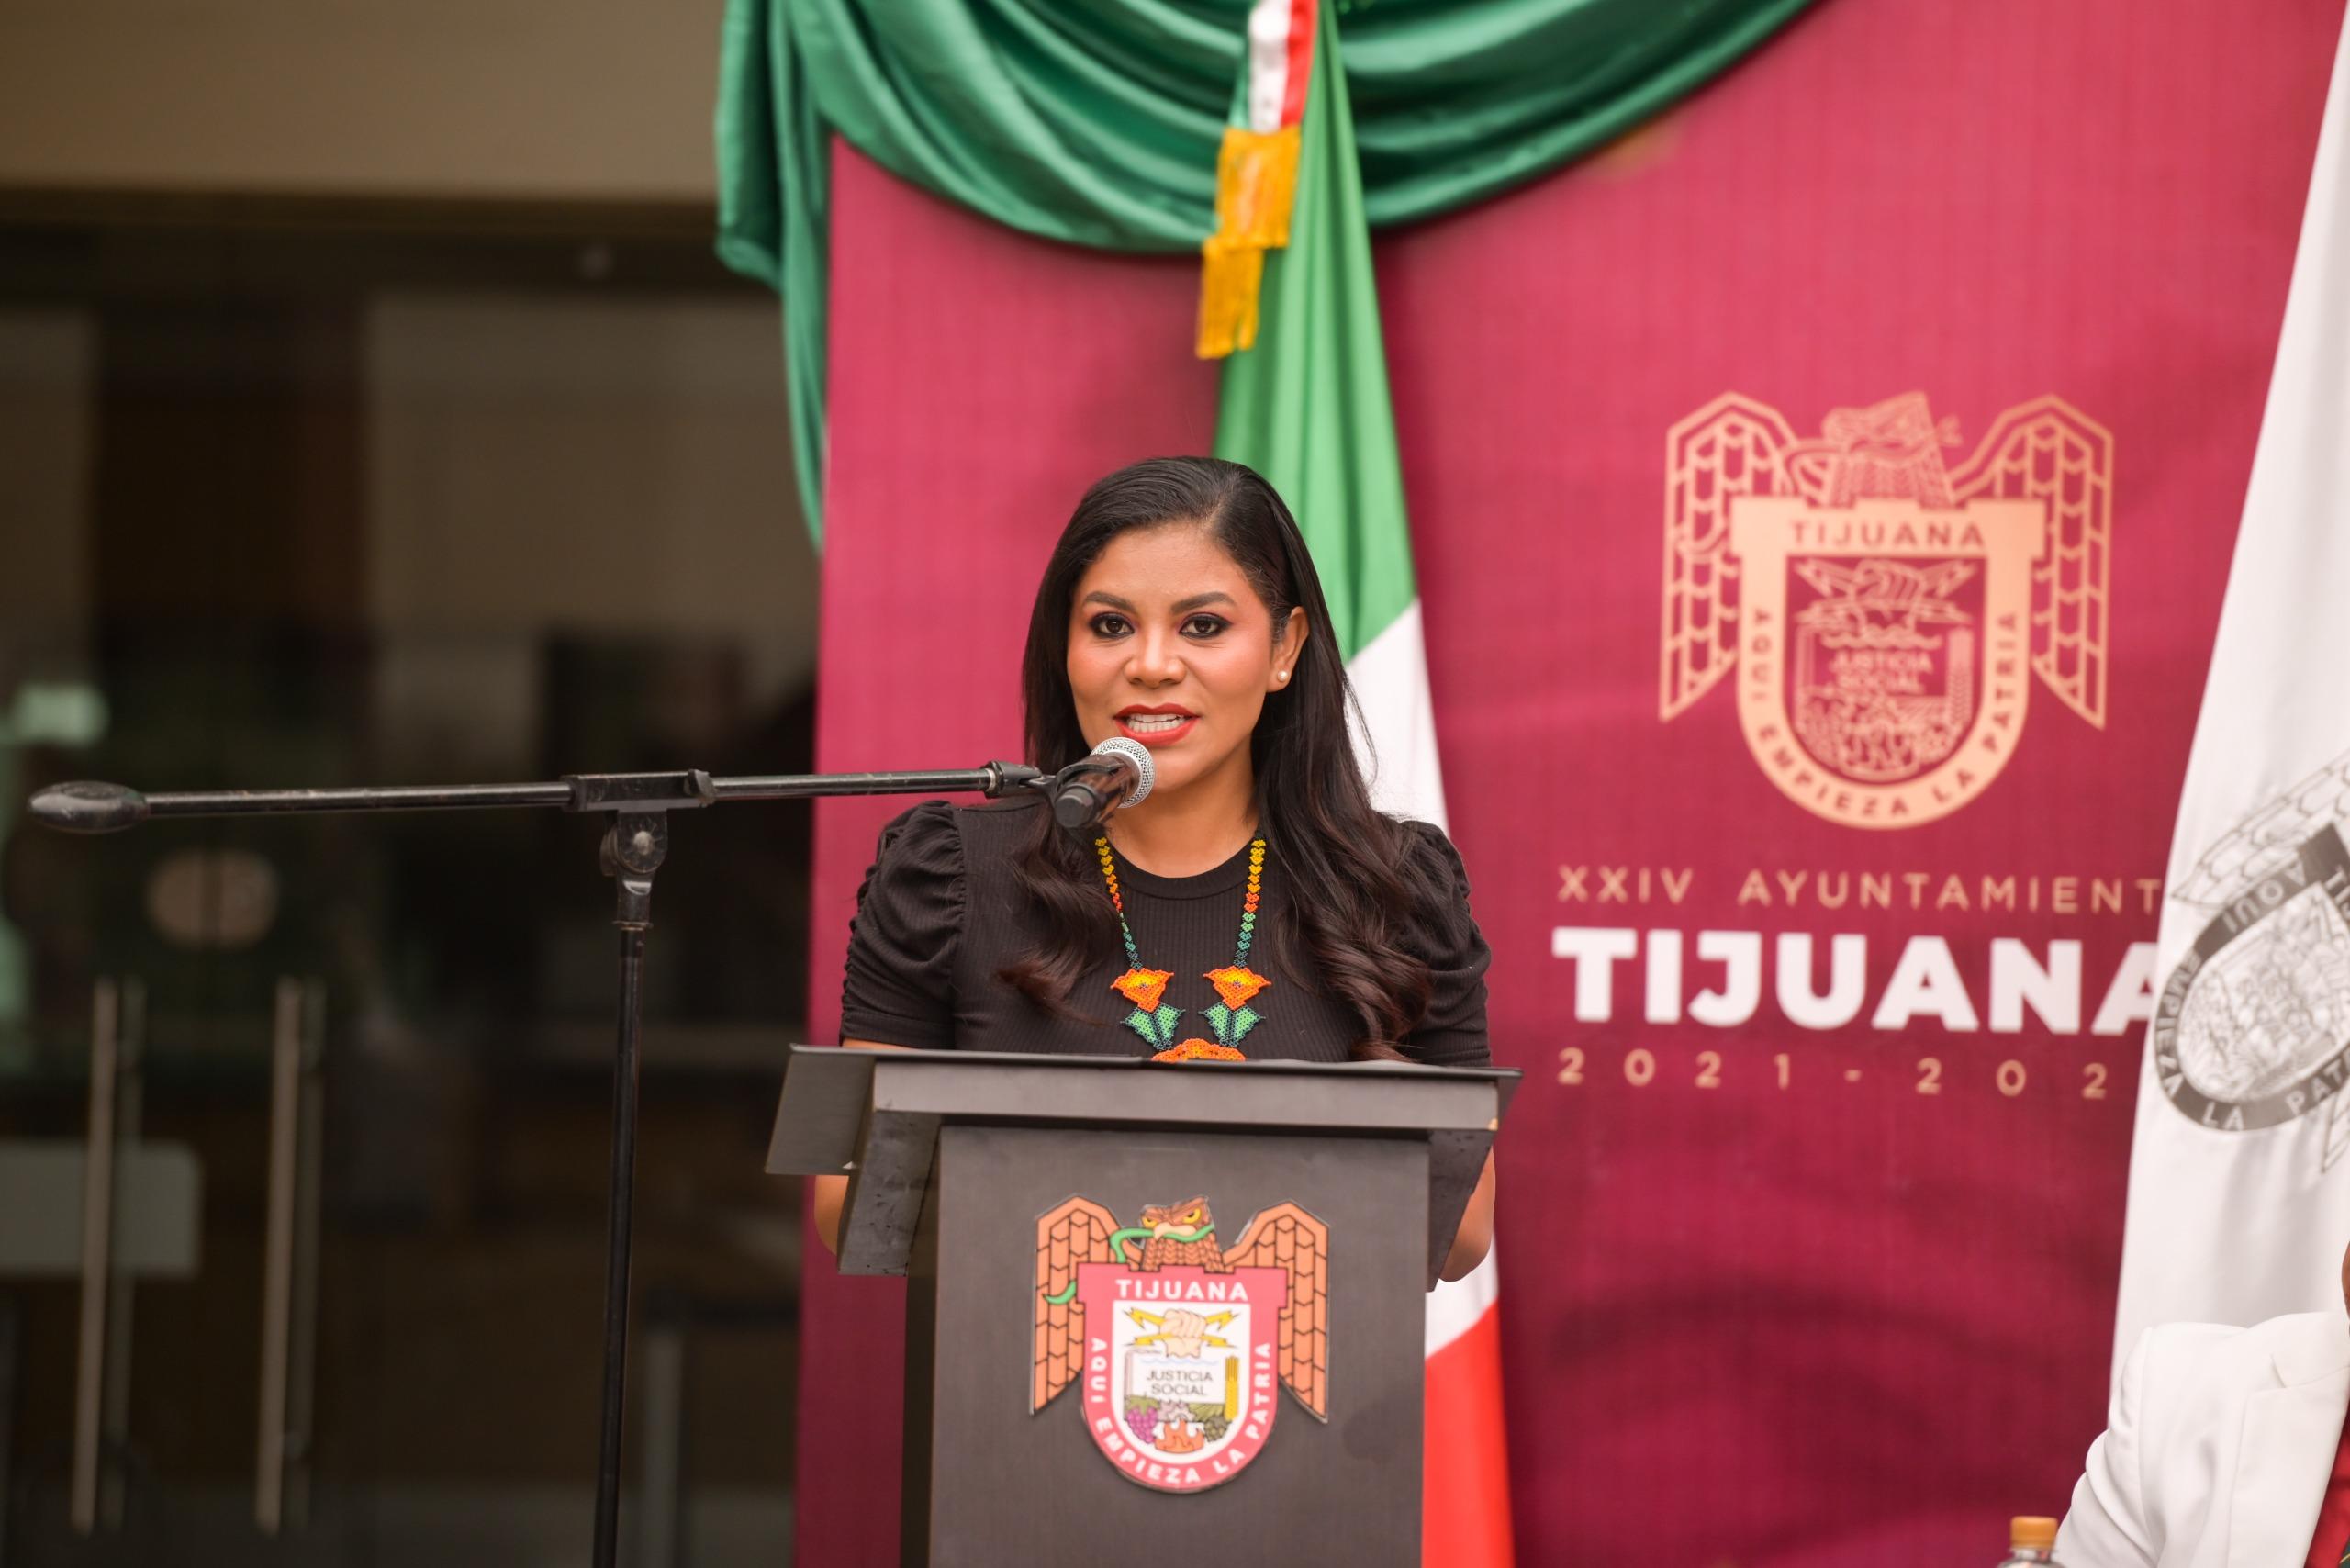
[{"x": 1169, "y": 645}]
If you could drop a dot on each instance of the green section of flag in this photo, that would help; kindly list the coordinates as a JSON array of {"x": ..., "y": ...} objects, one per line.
[{"x": 1307, "y": 407}]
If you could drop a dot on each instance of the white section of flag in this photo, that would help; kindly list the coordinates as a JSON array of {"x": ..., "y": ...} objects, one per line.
[
  {"x": 1455, "y": 1305},
  {"x": 2234, "y": 1226},
  {"x": 1390, "y": 680},
  {"x": 1269, "y": 61}
]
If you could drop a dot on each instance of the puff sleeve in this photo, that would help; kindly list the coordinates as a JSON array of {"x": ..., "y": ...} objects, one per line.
[
  {"x": 899, "y": 988},
  {"x": 1452, "y": 1032}
]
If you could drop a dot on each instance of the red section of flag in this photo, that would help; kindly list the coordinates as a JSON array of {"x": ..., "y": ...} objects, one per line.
[
  {"x": 1465, "y": 1520},
  {"x": 1300, "y": 70}
]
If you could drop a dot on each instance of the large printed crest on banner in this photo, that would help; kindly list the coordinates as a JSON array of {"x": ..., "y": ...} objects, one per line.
[
  {"x": 1179, "y": 1340},
  {"x": 2253, "y": 1028},
  {"x": 1885, "y": 614}
]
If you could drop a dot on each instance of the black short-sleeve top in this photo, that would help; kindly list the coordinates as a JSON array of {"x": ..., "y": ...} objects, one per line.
[{"x": 940, "y": 916}]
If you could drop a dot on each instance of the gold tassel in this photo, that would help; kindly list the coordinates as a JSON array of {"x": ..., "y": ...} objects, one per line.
[
  {"x": 1256, "y": 185},
  {"x": 1229, "y": 282}
]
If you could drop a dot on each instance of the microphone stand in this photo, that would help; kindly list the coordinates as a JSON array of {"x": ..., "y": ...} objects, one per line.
[{"x": 633, "y": 849}]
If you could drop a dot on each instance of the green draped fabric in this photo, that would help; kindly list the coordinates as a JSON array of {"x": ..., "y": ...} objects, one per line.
[
  {"x": 1307, "y": 407},
  {"x": 1097, "y": 121}
]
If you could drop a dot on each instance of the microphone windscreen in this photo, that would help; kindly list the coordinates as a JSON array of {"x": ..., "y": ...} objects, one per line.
[{"x": 1139, "y": 755}]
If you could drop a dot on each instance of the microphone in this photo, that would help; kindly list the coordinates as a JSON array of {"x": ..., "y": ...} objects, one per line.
[{"x": 1116, "y": 775}]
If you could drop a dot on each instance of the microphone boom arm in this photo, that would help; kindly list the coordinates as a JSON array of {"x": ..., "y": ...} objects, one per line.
[
  {"x": 631, "y": 852},
  {"x": 90, "y": 807}
]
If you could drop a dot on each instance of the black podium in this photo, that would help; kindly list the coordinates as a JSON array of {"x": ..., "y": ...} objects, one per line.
[{"x": 1152, "y": 1307}]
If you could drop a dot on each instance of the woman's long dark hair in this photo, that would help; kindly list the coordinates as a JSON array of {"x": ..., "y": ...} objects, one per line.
[{"x": 1354, "y": 886}]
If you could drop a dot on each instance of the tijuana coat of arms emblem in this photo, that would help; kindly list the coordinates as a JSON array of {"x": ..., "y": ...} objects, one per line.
[
  {"x": 1181, "y": 1344},
  {"x": 1885, "y": 614}
]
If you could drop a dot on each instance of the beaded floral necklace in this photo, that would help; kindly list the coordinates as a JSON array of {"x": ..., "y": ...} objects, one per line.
[{"x": 1236, "y": 984}]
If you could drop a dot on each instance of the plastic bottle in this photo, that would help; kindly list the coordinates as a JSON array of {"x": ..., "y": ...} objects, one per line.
[{"x": 2032, "y": 1543}]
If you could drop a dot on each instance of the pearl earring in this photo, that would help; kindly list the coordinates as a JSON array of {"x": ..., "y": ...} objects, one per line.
[{"x": 1281, "y": 674}]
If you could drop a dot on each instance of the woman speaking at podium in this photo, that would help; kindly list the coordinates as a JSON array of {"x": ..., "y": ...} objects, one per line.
[{"x": 1254, "y": 904}]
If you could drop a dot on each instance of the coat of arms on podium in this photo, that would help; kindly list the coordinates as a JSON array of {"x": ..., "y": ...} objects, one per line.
[
  {"x": 1885, "y": 614},
  {"x": 1181, "y": 1344}
]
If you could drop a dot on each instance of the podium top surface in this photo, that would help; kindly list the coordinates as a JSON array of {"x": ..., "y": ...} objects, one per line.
[
  {"x": 875, "y": 1116},
  {"x": 826, "y": 1091}
]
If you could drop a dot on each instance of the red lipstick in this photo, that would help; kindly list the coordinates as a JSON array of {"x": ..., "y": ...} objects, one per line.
[{"x": 1155, "y": 729}]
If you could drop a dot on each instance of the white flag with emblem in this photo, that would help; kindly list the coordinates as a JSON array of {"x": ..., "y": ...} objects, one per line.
[{"x": 2240, "y": 1170}]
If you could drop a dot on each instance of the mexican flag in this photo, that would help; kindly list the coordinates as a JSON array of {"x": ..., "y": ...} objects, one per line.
[{"x": 1307, "y": 408}]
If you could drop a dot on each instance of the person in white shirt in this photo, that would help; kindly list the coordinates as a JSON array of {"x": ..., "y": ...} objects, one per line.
[{"x": 2225, "y": 1449}]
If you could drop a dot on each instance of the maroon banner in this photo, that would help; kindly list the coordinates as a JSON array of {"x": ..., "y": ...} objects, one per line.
[{"x": 1828, "y": 493}]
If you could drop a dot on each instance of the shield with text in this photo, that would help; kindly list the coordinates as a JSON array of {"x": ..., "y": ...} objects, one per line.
[{"x": 1180, "y": 1370}]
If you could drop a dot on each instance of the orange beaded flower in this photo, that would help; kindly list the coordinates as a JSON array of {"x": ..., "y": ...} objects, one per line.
[
  {"x": 1236, "y": 984},
  {"x": 1143, "y": 987}
]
